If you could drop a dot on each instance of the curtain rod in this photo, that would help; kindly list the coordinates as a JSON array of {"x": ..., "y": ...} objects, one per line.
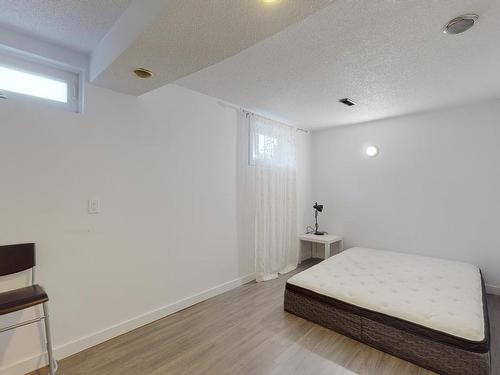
[{"x": 247, "y": 112}]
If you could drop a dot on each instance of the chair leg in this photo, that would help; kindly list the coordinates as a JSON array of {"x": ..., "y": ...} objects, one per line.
[{"x": 52, "y": 362}]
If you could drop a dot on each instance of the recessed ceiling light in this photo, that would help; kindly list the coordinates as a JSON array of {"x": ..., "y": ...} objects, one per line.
[
  {"x": 348, "y": 102},
  {"x": 270, "y": 1},
  {"x": 371, "y": 151},
  {"x": 460, "y": 24},
  {"x": 143, "y": 73}
]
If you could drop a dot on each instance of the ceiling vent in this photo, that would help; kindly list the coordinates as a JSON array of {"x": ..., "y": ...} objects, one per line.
[
  {"x": 2, "y": 95},
  {"x": 460, "y": 24},
  {"x": 348, "y": 102}
]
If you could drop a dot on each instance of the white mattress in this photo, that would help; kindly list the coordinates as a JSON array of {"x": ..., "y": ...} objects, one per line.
[{"x": 439, "y": 294}]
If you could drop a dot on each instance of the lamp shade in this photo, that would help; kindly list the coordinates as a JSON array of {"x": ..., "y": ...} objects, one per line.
[{"x": 318, "y": 207}]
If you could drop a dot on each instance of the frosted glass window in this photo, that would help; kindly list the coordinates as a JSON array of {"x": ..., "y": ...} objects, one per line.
[
  {"x": 32, "y": 84},
  {"x": 266, "y": 146},
  {"x": 271, "y": 143}
]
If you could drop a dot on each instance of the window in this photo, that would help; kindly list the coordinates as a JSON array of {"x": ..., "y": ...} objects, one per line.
[
  {"x": 32, "y": 84},
  {"x": 28, "y": 81},
  {"x": 271, "y": 143},
  {"x": 266, "y": 146}
]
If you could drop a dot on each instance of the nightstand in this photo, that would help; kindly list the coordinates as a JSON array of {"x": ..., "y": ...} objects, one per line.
[{"x": 326, "y": 240}]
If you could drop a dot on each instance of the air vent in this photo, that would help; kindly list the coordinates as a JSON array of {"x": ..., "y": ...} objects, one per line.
[
  {"x": 460, "y": 24},
  {"x": 347, "y": 102},
  {"x": 2, "y": 95}
]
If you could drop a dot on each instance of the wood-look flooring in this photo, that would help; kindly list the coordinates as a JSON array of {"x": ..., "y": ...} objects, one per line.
[{"x": 244, "y": 331}]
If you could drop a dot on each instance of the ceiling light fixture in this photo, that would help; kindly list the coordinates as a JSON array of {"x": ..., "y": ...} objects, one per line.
[
  {"x": 143, "y": 73},
  {"x": 371, "y": 151},
  {"x": 270, "y": 1},
  {"x": 348, "y": 102},
  {"x": 460, "y": 24}
]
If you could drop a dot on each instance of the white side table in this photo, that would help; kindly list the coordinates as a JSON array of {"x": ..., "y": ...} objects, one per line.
[{"x": 326, "y": 239}]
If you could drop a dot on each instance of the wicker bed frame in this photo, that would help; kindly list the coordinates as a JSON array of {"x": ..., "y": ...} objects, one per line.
[{"x": 433, "y": 350}]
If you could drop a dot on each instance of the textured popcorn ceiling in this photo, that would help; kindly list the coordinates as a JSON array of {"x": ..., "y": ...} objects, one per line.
[
  {"x": 389, "y": 56},
  {"x": 78, "y": 24},
  {"x": 189, "y": 35},
  {"x": 292, "y": 60}
]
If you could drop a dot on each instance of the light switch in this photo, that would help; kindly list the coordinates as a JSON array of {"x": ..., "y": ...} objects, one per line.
[{"x": 93, "y": 206}]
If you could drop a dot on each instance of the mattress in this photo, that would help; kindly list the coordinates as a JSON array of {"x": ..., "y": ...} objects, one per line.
[
  {"x": 428, "y": 311},
  {"x": 442, "y": 295}
]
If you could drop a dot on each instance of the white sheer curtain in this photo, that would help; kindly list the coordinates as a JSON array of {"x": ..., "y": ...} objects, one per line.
[{"x": 272, "y": 153}]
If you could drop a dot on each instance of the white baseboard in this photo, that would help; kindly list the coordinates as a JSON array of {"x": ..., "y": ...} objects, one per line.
[
  {"x": 75, "y": 346},
  {"x": 493, "y": 289}
]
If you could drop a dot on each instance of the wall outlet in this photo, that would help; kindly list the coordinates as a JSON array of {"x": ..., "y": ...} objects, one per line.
[{"x": 93, "y": 206}]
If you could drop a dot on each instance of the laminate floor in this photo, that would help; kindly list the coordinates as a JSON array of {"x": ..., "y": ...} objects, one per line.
[{"x": 245, "y": 332}]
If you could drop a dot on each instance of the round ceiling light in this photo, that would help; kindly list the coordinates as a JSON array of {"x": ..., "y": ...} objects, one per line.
[
  {"x": 143, "y": 73},
  {"x": 371, "y": 151},
  {"x": 460, "y": 24}
]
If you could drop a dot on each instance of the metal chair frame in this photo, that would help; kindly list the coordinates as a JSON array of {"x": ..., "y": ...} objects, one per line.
[{"x": 53, "y": 366}]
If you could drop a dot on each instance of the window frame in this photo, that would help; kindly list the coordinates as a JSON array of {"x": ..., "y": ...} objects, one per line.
[{"x": 25, "y": 65}]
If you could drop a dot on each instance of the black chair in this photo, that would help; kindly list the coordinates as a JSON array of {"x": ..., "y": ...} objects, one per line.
[{"x": 17, "y": 258}]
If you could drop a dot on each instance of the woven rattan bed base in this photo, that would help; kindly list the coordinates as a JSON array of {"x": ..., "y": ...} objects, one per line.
[{"x": 436, "y": 356}]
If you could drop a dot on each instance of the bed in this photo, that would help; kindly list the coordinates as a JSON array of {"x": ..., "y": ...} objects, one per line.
[{"x": 428, "y": 311}]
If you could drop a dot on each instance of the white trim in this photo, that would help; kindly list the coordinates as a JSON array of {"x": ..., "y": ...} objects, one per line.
[
  {"x": 75, "y": 346},
  {"x": 493, "y": 289}
]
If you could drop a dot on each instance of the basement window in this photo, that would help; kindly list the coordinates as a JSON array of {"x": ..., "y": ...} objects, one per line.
[
  {"x": 270, "y": 144},
  {"x": 265, "y": 146},
  {"x": 28, "y": 81}
]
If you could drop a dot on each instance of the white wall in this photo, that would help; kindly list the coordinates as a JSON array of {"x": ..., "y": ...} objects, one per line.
[
  {"x": 304, "y": 190},
  {"x": 164, "y": 168},
  {"x": 304, "y": 183},
  {"x": 434, "y": 189}
]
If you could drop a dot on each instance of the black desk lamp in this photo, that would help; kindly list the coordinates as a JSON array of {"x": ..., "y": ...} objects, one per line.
[{"x": 317, "y": 208}]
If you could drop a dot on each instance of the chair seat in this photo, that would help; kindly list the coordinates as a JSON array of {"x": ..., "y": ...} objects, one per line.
[{"x": 19, "y": 299}]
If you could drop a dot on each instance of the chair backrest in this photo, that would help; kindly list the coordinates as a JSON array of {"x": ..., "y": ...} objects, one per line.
[{"x": 16, "y": 258}]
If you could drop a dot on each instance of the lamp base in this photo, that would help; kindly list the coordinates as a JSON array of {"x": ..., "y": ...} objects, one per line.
[{"x": 319, "y": 233}]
